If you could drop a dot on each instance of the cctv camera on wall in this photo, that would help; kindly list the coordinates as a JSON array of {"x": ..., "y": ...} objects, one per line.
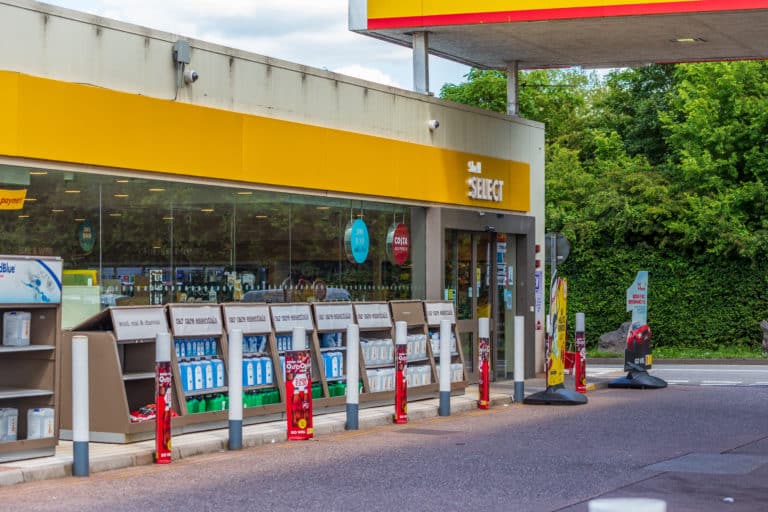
[
  {"x": 190, "y": 76},
  {"x": 433, "y": 124}
]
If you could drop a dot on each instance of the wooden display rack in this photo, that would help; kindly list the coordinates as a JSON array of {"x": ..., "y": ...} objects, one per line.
[
  {"x": 198, "y": 322},
  {"x": 28, "y": 377},
  {"x": 253, "y": 319},
  {"x": 286, "y": 317},
  {"x": 331, "y": 321},
  {"x": 412, "y": 313},
  {"x": 375, "y": 322},
  {"x": 121, "y": 369},
  {"x": 435, "y": 311}
]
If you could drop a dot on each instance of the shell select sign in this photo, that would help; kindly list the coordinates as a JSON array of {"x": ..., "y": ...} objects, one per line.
[{"x": 392, "y": 14}]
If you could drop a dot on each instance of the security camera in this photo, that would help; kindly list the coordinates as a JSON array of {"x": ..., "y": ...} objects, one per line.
[
  {"x": 190, "y": 76},
  {"x": 433, "y": 124}
]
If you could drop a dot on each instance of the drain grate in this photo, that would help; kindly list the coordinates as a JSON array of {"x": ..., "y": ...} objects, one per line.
[
  {"x": 426, "y": 431},
  {"x": 711, "y": 464}
]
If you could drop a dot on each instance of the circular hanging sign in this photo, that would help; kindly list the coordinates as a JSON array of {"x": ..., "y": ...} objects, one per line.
[
  {"x": 86, "y": 236},
  {"x": 398, "y": 243},
  {"x": 356, "y": 241}
]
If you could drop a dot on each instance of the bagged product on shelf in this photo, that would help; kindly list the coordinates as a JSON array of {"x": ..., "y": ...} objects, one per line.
[
  {"x": 9, "y": 424},
  {"x": 16, "y": 325},
  {"x": 219, "y": 380}
]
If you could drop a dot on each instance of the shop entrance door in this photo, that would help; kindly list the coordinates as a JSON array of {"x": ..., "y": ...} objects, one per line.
[{"x": 470, "y": 278}]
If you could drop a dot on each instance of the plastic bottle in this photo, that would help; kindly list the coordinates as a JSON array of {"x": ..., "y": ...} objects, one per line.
[
  {"x": 16, "y": 325},
  {"x": 218, "y": 373},
  {"x": 9, "y": 424},
  {"x": 34, "y": 424},
  {"x": 268, "y": 371},
  {"x": 197, "y": 370},
  {"x": 259, "y": 371}
]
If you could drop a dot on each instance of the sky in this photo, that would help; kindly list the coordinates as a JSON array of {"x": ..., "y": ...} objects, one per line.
[{"x": 310, "y": 32}]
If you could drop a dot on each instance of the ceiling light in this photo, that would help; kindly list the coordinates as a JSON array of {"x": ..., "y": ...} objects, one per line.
[
  {"x": 30, "y": 199},
  {"x": 116, "y": 214},
  {"x": 57, "y": 210},
  {"x": 71, "y": 191},
  {"x": 206, "y": 210},
  {"x": 323, "y": 207},
  {"x": 123, "y": 180},
  {"x": 245, "y": 193},
  {"x": 157, "y": 190},
  {"x": 260, "y": 216},
  {"x": 38, "y": 173},
  {"x": 121, "y": 195},
  {"x": 23, "y": 216},
  {"x": 689, "y": 40},
  {"x": 80, "y": 219},
  {"x": 168, "y": 217}
]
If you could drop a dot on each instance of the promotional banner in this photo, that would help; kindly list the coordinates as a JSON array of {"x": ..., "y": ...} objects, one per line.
[
  {"x": 580, "y": 364},
  {"x": 637, "y": 300},
  {"x": 401, "y": 384},
  {"x": 638, "y": 351},
  {"x": 163, "y": 402},
  {"x": 484, "y": 377},
  {"x": 30, "y": 280},
  {"x": 558, "y": 321},
  {"x": 298, "y": 390},
  {"x": 12, "y": 199}
]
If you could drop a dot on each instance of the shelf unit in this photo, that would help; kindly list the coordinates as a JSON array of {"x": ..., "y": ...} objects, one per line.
[
  {"x": 331, "y": 321},
  {"x": 199, "y": 364},
  {"x": 29, "y": 374},
  {"x": 421, "y": 374},
  {"x": 286, "y": 317},
  {"x": 253, "y": 320},
  {"x": 377, "y": 351},
  {"x": 28, "y": 379},
  {"x": 121, "y": 369},
  {"x": 434, "y": 312}
]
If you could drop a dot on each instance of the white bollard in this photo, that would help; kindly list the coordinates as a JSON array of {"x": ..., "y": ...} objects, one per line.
[
  {"x": 353, "y": 376},
  {"x": 519, "y": 358},
  {"x": 627, "y": 505},
  {"x": 445, "y": 368},
  {"x": 80, "y": 406},
  {"x": 235, "y": 387}
]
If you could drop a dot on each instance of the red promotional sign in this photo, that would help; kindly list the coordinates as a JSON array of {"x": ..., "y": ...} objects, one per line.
[
  {"x": 484, "y": 378},
  {"x": 398, "y": 244},
  {"x": 298, "y": 390},
  {"x": 580, "y": 364},
  {"x": 401, "y": 384},
  {"x": 163, "y": 402}
]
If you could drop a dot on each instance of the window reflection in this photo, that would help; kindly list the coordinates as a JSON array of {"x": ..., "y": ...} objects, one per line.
[{"x": 138, "y": 241}]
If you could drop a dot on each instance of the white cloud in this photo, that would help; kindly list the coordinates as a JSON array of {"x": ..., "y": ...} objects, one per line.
[{"x": 310, "y": 32}]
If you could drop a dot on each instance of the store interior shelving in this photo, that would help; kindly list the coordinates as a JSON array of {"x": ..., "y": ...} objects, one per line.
[
  {"x": 377, "y": 351},
  {"x": 434, "y": 312},
  {"x": 421, "y": 373},
  {"x": 331, "y": 322}
]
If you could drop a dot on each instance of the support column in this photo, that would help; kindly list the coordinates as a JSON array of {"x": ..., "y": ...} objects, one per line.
[
  {"x": 513, "y": 106},
  {"x": 421, "y": 62}
]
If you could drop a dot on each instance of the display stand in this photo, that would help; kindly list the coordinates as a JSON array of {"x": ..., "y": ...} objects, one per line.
[
  {"x": 263, "y": 384},
  {"x": 435, "y": 312},
  {"x": 331, "y": 321},
  {"x": 285, "y": 318},
  {"x": 198, "y": 360},
  {"x": 377, "y": 352},
  {"x": 422, "y": 373},
  {"x": 121, "y": 369},
  {"x": 29, "y": 372}
]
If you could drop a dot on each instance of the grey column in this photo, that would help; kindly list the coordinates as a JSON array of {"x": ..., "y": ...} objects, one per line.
[
  {"x": 513, "y": 85},
  {"x": 421, "y": 62}
]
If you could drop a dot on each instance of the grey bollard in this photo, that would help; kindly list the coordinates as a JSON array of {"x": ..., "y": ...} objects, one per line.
[{"x": 80, "y": 406}]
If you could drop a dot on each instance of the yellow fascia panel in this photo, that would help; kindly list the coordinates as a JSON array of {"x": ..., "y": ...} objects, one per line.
[{"x": 77, "y": 123}]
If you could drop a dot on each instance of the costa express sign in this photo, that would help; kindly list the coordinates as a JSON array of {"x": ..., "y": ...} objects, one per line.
[
  {"x": 383, "y": 14},
  {"x": 398, "y": 244}
]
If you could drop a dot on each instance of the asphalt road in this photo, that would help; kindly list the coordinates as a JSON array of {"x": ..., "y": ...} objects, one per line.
[
  {"x": 513, "y": 458},
  {"x": 697, "y": 374}
]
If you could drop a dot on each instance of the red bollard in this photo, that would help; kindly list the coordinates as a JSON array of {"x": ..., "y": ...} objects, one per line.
[
  {"x": 163, "y": 398},
  {"x": 484, "y": 377},
  {"x": 401, "y": 369},
  {"x": 580, "y": 361}
]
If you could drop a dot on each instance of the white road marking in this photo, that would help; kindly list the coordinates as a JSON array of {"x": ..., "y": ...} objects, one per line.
[
  {"x": 720, "y": 382},
  {"x": 676, "y": 381},
  {"x": 759, "y": 384}
]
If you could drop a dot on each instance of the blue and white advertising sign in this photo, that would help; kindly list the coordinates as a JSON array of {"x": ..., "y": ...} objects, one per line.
[
  {"x": 30, "y": 280},
  {"x": 356, "y": 241},
  {"x": 637, "y": 300}
]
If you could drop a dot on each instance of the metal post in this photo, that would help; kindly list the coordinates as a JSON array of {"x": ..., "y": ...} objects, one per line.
[
  {"x": 235, "y": 347},
  {"x": 353, "y": 376},
  {"x": 421, "y": 62},
  {"x": 519, "y": 358},
  {"x": 80, "y": 406},
  {"x": 445, "y": 368}
]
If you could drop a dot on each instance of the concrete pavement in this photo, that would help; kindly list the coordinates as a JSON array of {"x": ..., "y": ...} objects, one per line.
[{"x": 106, "y": 456}]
